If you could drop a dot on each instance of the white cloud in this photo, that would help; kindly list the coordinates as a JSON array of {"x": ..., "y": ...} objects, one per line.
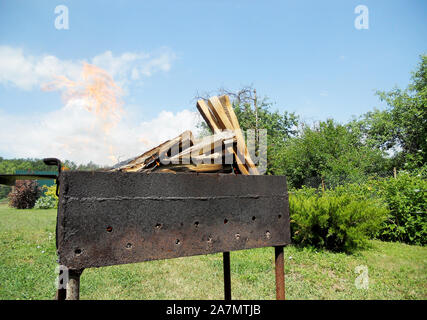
[
  {"x": 132, "y": 66},
  {"x": 75, "y": 134},
  {"x": 29, "y": 72},
  {"x": 72, "y": 132}
]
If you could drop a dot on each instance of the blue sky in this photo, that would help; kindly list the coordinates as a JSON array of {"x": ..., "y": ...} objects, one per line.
[{"x": 306, "y": 56}]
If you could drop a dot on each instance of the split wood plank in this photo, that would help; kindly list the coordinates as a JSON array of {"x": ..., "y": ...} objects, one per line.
[
  {"x": 228, "y": 109},
  {"x": 214, "y": 124},
  {"x": 224, "y": 123},
  {"x": 185, "y": 139},
  {"x": 208, "y": 116},
  {"x": 206, "y": 145},
  {"x": 202, "y": 167}
]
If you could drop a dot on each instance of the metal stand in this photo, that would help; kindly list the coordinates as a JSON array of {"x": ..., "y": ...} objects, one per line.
[
  {"x": 280, "y": 273},
  {"x": 227, "y": 275},
  {"x": 279, "y": 268},
  {"x": 61, "y": 294},
  {"x": 72, "y": 291}
]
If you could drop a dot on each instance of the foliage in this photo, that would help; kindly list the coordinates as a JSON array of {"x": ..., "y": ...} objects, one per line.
[
  {"x": 402, "y": 127},
  {"x": 9, "y": 166},
  {"x": 334, "y": 219},
  {"x": 279, "y": 126},
  {"x": 406, "y": 198},
  {"x": 328, "y": 152},
  {"x": 46, "y": 202},
  {"x": 49, "y": 200},
  {"x": 4, "y": 191},
  {"x": 331, "y": 154},
  {"x": 24, "y": 195}
]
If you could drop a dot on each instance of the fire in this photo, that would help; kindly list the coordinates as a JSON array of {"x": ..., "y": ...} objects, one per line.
[
  {"x": 98, "y": 89},
  {"x": 101, "y": 94}
]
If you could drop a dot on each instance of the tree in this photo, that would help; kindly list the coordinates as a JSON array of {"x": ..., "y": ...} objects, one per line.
[
  {"x": 401, "y": 128},
  {"x": 328, "y": 154}
]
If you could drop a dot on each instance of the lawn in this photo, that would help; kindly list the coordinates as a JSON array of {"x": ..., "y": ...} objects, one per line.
[{"x": 28, "y": 262}]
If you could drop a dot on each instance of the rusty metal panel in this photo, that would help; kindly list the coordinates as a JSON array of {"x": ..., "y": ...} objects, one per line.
[{"x": 109, "y": 218}]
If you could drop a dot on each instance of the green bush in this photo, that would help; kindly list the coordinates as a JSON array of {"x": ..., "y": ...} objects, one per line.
[
  {"x": 406, "y": 198},
  {"x": 49, "y": 200},
  {"x": 339, "y": 220},
  {"x": 46, "y": 202}
]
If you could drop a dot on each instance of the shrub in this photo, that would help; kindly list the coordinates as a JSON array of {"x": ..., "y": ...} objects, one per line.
[
  {"x": 49, "y": 200},
  {"x": 406, "y": 199},
  {"x": 46, "y": 202},
  {"x": 51, "y": 192},
  {"x": 334, "y": 219},
  {"x": 24, "y": 195}
]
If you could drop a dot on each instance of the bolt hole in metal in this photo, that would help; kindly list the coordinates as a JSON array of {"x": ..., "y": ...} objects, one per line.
[
  {"x": 177, "y": 242},
  {"x": 268, "y": 234},
  {"x": 225, "y": 221},
  {"x": 129, "y": 245},
  {"x": 237, "y": 236},
  {"x": 78, "y": 251},
  {"x": 253, "y": 218},
  {"x": 196, "y": 224},
  {"x": 109, "y": 229},
  {"x": 159, "y": 226},
  {"x": 279, "y": 216}
]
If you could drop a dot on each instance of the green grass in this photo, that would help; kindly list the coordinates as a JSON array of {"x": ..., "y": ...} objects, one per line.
[{"x": 28, "y": 262}]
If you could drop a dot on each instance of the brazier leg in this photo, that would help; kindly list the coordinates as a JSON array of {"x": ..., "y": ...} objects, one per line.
[
  {"x": 73, "y": 285},
  {"x": 280, "y": 273},
  {"x": 227, "y": 275}
]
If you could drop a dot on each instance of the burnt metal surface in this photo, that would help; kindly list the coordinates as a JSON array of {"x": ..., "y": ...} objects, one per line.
[{"x": 109, "y": 218}]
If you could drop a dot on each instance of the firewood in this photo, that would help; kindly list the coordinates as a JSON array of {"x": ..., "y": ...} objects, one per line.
[
  {"x": 205, "y": 146},
  {"x": 219, "y": 115},
  {"x": 228, "y": 109},
  {"x": 184, "y": 154},
  {"x": 200, "y": 168},
  {"x": 183, "y": 141},
  {"x": 207, "y": 115}
]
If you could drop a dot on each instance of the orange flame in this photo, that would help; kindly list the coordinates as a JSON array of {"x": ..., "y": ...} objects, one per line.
[
  {"x": 101, "y": 94},
  {"x": 98, "y": 89}
]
